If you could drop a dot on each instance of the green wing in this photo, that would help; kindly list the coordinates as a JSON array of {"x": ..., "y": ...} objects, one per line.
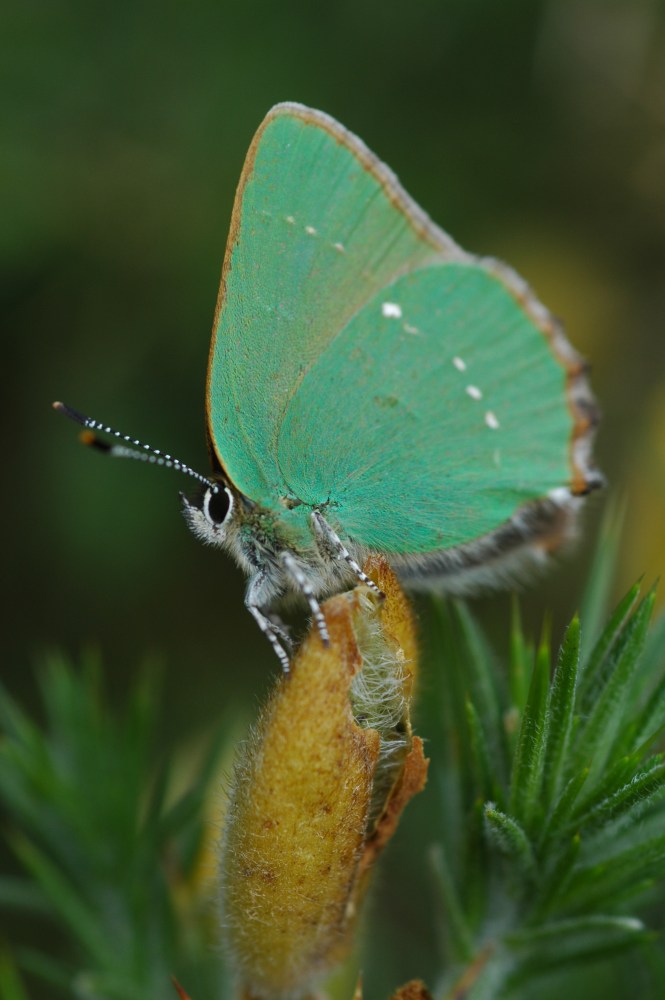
[
  {"x": 361, "y": 361},
  {"x": 319, "y": 227},
  {"x": 435, "y": 414}
]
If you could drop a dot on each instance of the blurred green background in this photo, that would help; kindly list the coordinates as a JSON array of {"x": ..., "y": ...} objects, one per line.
[{"x": 532, "y": 130}]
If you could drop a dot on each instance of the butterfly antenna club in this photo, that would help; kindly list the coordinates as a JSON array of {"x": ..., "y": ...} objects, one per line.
[{"x": 132, "y": 449}]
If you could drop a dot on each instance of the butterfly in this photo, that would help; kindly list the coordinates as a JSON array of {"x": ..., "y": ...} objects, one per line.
[{"x": 372, "y": 387}]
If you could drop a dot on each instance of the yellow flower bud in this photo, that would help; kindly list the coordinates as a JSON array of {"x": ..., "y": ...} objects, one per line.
[{"x": 317, "y": 794}]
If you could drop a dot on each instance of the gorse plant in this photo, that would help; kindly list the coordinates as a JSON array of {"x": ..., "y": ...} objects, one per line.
[
  {"x": 559, "y": 797},
  {"x": 110, "y": 859},
  {"x": 545, "y": 825}
]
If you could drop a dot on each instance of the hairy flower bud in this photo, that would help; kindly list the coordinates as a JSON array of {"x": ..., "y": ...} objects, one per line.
[{"x": 317, "y": 793}]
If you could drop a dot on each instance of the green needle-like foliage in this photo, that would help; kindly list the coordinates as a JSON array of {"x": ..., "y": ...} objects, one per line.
[
  {"x": 555, "y": 800},
  {"x": 96, "y": 831}
]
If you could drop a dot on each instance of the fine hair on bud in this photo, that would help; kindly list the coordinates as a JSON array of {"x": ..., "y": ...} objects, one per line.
[{"x": 317, "y": 792}]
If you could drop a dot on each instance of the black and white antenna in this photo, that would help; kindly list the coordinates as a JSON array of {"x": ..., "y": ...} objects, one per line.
[{"x": 138, "y": 450}]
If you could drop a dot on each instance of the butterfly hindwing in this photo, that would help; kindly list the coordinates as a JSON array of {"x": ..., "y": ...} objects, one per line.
[{"x": 432, "y": 417}]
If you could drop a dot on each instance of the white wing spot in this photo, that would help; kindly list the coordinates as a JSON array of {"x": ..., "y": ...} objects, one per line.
[
  {"x": 459, "y": 364},
  {"x": 410, "y": 329},
  {"x": 291, "y": 221},
  {"x": 391, "y": 310},
  {"x": 310, "y": 230},
  {"x": 491, "y": 421},
  {"x": 339, "y": 247},
  {"x": 560, "y": 495},
  {"x": 474, "y": 392}
]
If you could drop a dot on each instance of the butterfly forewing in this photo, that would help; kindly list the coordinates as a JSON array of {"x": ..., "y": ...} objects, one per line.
[{"x": 319, "y": 227}]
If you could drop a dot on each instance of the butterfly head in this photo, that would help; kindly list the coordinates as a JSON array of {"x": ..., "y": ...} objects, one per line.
[
  {"x": 214, "y": 510},
  {"x": 211, "y": 514}
]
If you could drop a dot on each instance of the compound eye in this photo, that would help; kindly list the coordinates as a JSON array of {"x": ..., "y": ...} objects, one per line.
[{"x": 217, "y": 505}]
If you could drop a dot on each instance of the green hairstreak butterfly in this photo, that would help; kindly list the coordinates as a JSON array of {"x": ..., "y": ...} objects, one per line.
[{"x": 372, "y": 387}]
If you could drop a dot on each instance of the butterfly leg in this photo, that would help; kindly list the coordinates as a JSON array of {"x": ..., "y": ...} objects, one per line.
[
  {"x": 276, "y": 636},
  {"x": 340, "y": 550},
  {"x": 299, "y": 578},
  {"x": 282, "y": 630}
]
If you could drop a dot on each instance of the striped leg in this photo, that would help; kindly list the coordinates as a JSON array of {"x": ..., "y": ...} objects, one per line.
[
  {"x": 271, "y": 631},
  {"x": 337, "y": 545},
  {"x": 293, "y": 569}
]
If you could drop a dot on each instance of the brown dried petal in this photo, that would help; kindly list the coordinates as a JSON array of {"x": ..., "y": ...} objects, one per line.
[{"x": 415, "y": 990}]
